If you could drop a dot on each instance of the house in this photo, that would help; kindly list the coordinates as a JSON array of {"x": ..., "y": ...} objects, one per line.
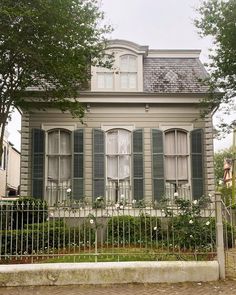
[
  {"x": 9, "y": 169},
  {"x": 142, "y": 137},
  {"x": 228, "y": 172}
]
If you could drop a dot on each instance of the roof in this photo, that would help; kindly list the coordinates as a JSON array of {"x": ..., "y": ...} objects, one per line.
[{"x": 174, "y": 75}]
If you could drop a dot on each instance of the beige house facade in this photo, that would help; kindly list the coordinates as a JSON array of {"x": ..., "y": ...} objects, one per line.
[
  {"x": 142, "y": 137},
  {"x": 9, "y": 169}
]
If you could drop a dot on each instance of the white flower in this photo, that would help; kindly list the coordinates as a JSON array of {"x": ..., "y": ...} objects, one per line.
[
  {"x": 117, "y": 206},
  {"x": 68, "y": 190},
  {"x": 155, "y": 228},
  {"x": 190, "y": 221},
  {"x": 134, "y": 201},
  {"x": 208, "y": 222},
  {"x": 191, "y": 236},
  {"x": 176, "y": 194},
  {"x": 209, "y": 195},
  {"x": 121, "y": 207},
  {"x": 163, "y": 210},
  {"x": 195, "y": 202},
  {"x": 91, "y": 221}
]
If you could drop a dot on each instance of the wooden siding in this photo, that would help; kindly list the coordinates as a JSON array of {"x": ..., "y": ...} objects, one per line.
[{"x": 135, "y": 114}]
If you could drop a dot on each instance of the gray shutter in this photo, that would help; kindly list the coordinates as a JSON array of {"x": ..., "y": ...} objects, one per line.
[
  {"x": 157, "y": 165},
  {"x": 78, "y": 165},
  {"x": 38, "y": 146},
  {"x": 98, "y": 163},
  {"x": 197, "y": 163},
  {"x": 138, "y": 167}
]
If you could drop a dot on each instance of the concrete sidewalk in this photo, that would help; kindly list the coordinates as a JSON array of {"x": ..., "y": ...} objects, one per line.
[{"x": 227, "y": 287}]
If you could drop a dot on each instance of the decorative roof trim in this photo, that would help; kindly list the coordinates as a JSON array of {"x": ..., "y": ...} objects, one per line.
[
  {"x": 174, "y": 53},
  {"x": 118, "y": 43}
]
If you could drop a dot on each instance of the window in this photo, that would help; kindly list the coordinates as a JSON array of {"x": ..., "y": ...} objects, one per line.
[
  {"x": 3, "y": 160},
  {"x": 128, "y": 72},
  {"x": 176, "y": 154},
  {"x": 118, "y": 156},
  {"x": 59, "y": 162}
]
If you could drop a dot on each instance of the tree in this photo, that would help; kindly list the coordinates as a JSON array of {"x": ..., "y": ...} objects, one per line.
[
  {"x": 217, "y": 19},
  {"x": 219, "y": 163},
  {"x": 50, "y": 45}
]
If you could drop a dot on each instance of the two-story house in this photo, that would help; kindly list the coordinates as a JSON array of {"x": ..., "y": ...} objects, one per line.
[{"x": 142, "y": 137}]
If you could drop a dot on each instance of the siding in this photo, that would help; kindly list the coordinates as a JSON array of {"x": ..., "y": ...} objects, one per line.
[{"x": 134, "y": 114}]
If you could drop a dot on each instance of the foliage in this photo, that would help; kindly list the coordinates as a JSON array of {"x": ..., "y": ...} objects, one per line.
[
  {"x": 126, "y": 229},
  {"x": 217, "y": 19},
  {"x": 24, "y": 211},
  {"x": 219, "y": 163},
  {"x": 46, "y": 237},
  {"x": 49, "y": 45}
]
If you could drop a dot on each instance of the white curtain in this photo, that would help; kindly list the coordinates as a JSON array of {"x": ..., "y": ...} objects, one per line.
[
  {"x": 53, "y": 142},
  {"x": 65, "y": 168},
  {"x": 118, "y": 145},
  {"x": 65, "y": 145},
  {"x": 52, "y": 168},
  {"x": 176, "y": 151}
]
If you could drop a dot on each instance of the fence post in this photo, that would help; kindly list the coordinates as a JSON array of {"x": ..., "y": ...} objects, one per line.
[{"x": 220, "y": 236}]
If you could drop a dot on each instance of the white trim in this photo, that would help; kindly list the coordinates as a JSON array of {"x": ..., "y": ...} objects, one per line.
[
  {"x": 174, "y": 53},
  {"x": 67, "y": 126},
  {"x": 106, "y": 127},
  {"x": 166, "y": 126}
]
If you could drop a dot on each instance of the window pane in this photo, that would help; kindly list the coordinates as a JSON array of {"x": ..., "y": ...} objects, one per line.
[
  {"x": 112, "y": 167},
  {"x": 65, "y": 168},
  {"x": 52, "y": 168},
  {"x": 65, "y": 144},
  {"x": 124, "y": 167},
  {"x": 112, "y": 142},
  {"x": 105, "y": 80},
  {"x": 124, "y": 82},
  {"x": 170, "y": 167},
  {"x": 132, "y": 80},
  {"x": 182, "y": 147},
  {"x": 182, "y": 168},
  {"x": 124, "y": 141},
  {"x": 128, "y": 63},
  {"x": 53, "y": 142},
  {"x": 170, "y": 143}
]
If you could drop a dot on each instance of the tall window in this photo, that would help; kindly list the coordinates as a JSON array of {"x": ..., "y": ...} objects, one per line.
[
  {"x": 3, "y": 159},
  {"x": 128, "y": 72},
  {"x": 59, "y": 158},
  {"x": 176, "y": 158},
  {"x": 118, "y": 153}
]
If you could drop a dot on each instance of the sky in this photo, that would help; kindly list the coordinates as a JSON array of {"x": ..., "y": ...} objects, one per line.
[{"x": 160, "y": 24}]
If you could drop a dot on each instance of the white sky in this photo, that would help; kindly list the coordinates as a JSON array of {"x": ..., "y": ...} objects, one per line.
[{"x": 160, "y": 24}]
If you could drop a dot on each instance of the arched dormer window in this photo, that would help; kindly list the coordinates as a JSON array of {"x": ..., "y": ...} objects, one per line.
[{"x": 125, "y": 75}]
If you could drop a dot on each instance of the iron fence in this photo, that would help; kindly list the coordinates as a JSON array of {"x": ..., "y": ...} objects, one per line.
[{"x": 32, "y": 231}]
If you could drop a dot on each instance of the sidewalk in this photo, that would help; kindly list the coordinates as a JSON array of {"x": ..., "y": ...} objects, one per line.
[{"x": 227, "y": 287}]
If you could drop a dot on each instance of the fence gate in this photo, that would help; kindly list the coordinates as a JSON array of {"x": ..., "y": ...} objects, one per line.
[{"x": 229, "y": 226}]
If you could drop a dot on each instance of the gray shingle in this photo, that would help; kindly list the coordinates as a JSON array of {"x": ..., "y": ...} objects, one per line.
[{"x": 173, "y": 75}]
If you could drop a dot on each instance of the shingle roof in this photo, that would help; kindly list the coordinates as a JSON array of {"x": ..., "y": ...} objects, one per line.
[{"x": 174, "y": 75}]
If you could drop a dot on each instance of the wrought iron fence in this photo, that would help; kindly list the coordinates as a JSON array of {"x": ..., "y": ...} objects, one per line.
[{"x": 32, "y": 231}]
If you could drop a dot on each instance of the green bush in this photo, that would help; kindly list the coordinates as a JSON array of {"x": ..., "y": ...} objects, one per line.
[{"x": 48, "y": 236}]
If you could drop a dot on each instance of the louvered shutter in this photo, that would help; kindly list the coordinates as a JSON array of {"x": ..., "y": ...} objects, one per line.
[
  {"x": 138, "y": 167},
  {"x": 157, "y": 165},
  {"x": 78, "y": 170},
  {"x": 98, "y": 163},
  {"x": 197, "y": 163},
  {"x": 38, "y": 147}
]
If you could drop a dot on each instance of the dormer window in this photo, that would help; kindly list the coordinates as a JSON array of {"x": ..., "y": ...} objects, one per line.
[{"x": 125, "y": 75}]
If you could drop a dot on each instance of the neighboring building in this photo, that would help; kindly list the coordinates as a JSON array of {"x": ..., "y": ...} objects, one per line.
[
  {"x": 142, "y": 136},
  {"x": 9, "y": 169},
  {"x": 228, "y": 171}
]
